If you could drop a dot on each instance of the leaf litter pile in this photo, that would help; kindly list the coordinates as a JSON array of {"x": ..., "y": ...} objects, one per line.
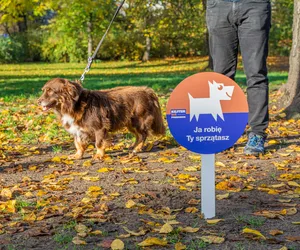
[{"x": 151, "y": 201}]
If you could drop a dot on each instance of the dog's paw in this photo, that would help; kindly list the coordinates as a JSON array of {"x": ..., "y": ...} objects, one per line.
[
  {"x": 75, "y": 156},
  {"x": 98, "y": 157}
]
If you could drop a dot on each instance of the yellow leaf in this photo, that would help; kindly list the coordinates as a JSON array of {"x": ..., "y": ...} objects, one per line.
[
  {"x": 117, "y": 245},
  {"x": 87, "y": 163},
  {"x": 273, "y": 191},
  {"x": 41, "y": 193},
  {"x": 215, "y": 221},
  {"x": 10, "y": 206},
  {"x": 275, "y": 232},
  {"x": 296, "y": 223},
  {"x": 283, "y": 248},
  {"x": 284, "y": 154},
  {"x": 81, "y": 228},
  {"x": 211, "y": 239},
  {"x": 291, "y": 211},
  {"x": 192, "y": 168},
  {"x": 77, "y": 241},
  {"x": 30, "y": 217},
  {"x": 5, "y": 192},
  {"x": 220, "y": 164},
  {"x": 130, "y": 204},
  {"x": 56, "y": 159},
  {"x": 191, "y": 210},
  {"x": 273, "y": 142},
  {"x": 153, "y": 241},
  {"x": 116, "y": 194},
  {"x": 189, "y": 229},
  {"x": 94, "y": 189},
  {"x": 140, "y": 233},
  {"x": 103, "y": 170},
  {"x": 32, "y": 168},
  {"x": 293, "y": 184},
  {"x": 254, "y": 232},
  {"x": 278, "y": 185},
  {"x": 179, "y": 246},
  {"x": 86, "y": 200},
  {"x": 222, "y": 196},
  {"x": 166, "y": 228},
  {"x": 183, "y": 176},
  {"x": 90, "y": 178},
  {"x": 96, "y": 232},
  {"x": 193, "y": 202},
  {"x": 223, "y": 185}
]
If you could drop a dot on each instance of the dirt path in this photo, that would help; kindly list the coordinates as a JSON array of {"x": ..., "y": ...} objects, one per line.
[{"x": 46, "y": 199}]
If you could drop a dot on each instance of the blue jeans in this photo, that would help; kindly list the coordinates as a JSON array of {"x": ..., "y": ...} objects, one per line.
[{"x": 244, "y": 23}]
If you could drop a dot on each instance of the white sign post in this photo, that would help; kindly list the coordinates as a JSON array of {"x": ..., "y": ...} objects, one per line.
[
  {"x": 208, "y": 194},
  {"x": 207, "y": 113}
]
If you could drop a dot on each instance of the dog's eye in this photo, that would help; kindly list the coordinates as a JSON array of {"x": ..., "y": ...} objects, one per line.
[{"x": 220, "y": 87}]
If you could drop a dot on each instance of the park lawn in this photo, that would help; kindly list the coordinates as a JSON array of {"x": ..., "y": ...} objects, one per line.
[{"x": 50, "y": 202}]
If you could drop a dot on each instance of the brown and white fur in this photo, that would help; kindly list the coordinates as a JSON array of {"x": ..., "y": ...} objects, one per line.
[{"x": 91, "y": 115}]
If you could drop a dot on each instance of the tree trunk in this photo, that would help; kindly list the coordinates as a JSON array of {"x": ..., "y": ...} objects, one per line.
[
  {"x": 291, "y": 90},
  {"x": 90, "y": 38},
  {"x": 22, "y": 25},
  {"x": 146, "y": 55}
]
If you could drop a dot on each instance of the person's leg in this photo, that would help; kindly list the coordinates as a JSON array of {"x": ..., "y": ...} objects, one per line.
[
  {"x": 253, "y": 31},
  {"x": 223, "y": 39}
]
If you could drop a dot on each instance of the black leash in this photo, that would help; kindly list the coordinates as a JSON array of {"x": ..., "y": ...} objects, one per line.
[{"x": 91, "y": 58}]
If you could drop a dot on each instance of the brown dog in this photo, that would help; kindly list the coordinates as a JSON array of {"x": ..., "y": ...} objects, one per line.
[{"x": 90, "y": 115}]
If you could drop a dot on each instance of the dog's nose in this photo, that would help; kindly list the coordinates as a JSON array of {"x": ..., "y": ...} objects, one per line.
[{"x": 39, "y": 101}]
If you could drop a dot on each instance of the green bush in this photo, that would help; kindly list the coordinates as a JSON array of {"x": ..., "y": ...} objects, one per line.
[{"x": 11, "y": 50}]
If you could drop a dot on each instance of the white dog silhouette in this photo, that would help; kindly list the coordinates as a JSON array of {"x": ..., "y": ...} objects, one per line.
[{"x": 212, "y": 104}]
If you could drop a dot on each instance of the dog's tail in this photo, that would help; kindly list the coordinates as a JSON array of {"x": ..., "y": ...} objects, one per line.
[{"x": 158, "y": 126}]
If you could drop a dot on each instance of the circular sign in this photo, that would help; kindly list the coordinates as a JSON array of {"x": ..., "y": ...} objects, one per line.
[{"x": 207, "y": 113}]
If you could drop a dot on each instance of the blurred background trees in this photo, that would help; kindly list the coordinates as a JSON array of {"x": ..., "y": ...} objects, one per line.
[{"x": 69, "y": 30}]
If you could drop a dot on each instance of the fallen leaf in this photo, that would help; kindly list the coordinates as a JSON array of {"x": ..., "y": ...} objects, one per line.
[
  {"x": 77, "y": 241},
  {"x": 211, "y": 239},
  {"x": 293, "y": 184},
  {"x": 215, "y": 221},
  {"x": 130, "y": 204},
  {"x": 140, "y": 233},
  {"x": 179, "y": 246},
  {"x": 296, "y": 223},
  {"x": 222, "y": 196},
  {"x": 117, "y": 245},
  {"x": 293, "y": 238},
  {"x": 253, "y": 232},
  {"x": 191, "y": 210},
  {"x": 153, "y": 241},
  {"x": 189, "y": 229},
  {"x": 275, "y": 232},
  {"x": 166, "y": 228},
  {"x": 220, "y": 164},
  {"x": 87, "y": 163},
  {"x": 5, "y": 192}
]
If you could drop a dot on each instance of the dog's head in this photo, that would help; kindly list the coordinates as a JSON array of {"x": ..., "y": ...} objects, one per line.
[
  {"x": 220, "y": 92},
  {"x": 58, "y": 93}
]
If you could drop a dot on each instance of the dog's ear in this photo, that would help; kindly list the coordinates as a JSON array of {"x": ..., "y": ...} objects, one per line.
[{"x": 74, "y": 90}]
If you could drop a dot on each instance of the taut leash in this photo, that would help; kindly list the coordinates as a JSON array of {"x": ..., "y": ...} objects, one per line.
[{"x": 91, "y": 58}]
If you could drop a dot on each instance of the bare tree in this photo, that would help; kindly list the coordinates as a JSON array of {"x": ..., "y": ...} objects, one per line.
[{"x": 291, "y": 90}]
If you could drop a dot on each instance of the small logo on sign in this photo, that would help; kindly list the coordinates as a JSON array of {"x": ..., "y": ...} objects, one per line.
[
  {"x": 212, "y": 105},
  {"x": 178, "y": 113}
]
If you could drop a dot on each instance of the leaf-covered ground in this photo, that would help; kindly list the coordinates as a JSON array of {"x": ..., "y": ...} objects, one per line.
[{"x": 151, "y": 201}]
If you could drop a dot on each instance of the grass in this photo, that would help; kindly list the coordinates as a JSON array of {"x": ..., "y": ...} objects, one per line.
[
  {"x": 250, "y": 220},
  {"x": 24, "y": 123},
  {"x": 25, "y": 80}
]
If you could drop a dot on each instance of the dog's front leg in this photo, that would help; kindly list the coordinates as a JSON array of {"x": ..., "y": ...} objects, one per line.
[
  {"x": 80, "y": 147},
  {"x": 101, "y": 143}
]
